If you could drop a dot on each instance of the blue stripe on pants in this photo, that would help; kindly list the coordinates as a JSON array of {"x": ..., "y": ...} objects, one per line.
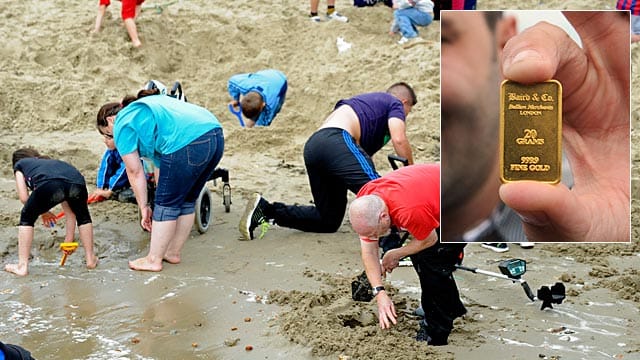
[{"x": 348, "y": 139}]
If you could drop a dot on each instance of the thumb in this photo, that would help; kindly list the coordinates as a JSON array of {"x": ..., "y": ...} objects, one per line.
[{"x": 549, "y": 213}]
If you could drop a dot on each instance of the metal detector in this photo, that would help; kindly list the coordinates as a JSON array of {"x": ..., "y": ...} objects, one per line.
[
  {"x": 512, "y": 270},
  {"x": 395, "y": 159}
]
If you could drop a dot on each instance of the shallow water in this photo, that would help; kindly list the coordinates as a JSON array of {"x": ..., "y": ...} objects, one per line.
[{"x": 190, "y": 310}]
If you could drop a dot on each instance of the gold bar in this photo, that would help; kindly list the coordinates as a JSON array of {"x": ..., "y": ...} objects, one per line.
[{"x": 531, "y": 131}]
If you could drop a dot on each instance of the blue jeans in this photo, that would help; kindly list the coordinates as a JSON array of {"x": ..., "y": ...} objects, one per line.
[
  {"x": 183, "y": 174},
  {"x": 407, "y": 20},
  {"x": 635, "y": 24}
]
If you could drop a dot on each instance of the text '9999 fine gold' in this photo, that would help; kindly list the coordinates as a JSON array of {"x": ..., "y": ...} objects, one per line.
[{"x": 531, "y": 131}]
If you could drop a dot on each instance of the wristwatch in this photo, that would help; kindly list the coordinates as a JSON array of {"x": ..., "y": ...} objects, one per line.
[{"x": 376, "y": 290}]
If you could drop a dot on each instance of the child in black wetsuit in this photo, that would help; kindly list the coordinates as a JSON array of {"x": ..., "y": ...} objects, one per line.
[{"x": 51, "y": 182}]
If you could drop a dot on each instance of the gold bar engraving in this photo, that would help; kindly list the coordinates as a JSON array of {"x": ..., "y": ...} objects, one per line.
[{"x": 531, "y": 131}]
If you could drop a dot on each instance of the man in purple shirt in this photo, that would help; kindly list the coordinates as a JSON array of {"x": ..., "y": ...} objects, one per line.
[{"x": 338, "y": 158}]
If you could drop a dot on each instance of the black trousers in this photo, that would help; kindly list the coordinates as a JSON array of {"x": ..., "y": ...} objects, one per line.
[
  {"x": 440, "y": 5},
  {"x": 335, "y": 164},
  {"x": 440, "y": 298},
  {"x": 51, "y": 193}
]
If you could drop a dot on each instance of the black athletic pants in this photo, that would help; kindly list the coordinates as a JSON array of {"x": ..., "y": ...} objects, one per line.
[
  {"x": 51, "y": 193},
  {"x": 335, "y": 164},
  {"x": 440, "y": 298}
]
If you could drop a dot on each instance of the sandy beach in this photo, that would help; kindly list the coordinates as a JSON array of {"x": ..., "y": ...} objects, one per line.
[{"x": 287, "y": 295}]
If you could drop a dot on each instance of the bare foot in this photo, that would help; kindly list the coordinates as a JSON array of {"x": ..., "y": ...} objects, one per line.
[
  {"x": 16, "y": 269},
  {"x": 635, "y": 38},
  {"x": 142, "y": 264},
  {"x": 136, "y": 44},
  {"x": 172, "y": 259},
  {"x": 93, "y": 263}
]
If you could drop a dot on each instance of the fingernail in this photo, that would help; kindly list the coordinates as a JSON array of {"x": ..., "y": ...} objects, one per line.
[
  {"x": 520, "y": 56},
  {"x": 535, "y": 220}
]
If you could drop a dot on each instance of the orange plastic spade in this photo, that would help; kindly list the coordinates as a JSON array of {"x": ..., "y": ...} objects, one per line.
[{"x": 67, "y": 249}]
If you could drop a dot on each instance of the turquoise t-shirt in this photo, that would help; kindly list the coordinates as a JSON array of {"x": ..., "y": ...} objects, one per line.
[{"x": 157, "y": 125}]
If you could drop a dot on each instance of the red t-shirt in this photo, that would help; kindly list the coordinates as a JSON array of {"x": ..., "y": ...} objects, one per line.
[
  {"x": 412, "y": 195},
  {"x": 128, "y": 7}
]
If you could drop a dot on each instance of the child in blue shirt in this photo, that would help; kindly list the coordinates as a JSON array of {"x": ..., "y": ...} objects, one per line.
[
  {"x": 112, "y": 177},
  {"x": 260, "y": 95}
]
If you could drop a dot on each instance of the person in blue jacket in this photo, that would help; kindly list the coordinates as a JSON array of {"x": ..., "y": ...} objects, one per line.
[
  {"x": 14, "y": 352},
  {"x": 112, "y": 180},
  {"x": 185, "y": 142},
  {"x": 259, "y": 95}
]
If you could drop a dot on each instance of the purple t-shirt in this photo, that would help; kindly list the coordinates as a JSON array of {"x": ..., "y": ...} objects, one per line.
[{"x": 374, "y": 111}]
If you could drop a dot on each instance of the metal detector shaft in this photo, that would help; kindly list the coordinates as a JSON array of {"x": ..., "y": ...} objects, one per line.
[{"x": 522, "y": 282}]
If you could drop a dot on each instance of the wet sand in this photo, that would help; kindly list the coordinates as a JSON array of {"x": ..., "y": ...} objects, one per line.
[{"x": 287, "y": 295}]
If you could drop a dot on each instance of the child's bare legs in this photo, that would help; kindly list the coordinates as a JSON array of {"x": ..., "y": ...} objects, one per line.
[
  {"x": 315, "y": 3},
  {"x": 86, "y": 237},
  {"x": 183, "y": 228},
  {"x": 25, "y": 238},
  {"x": 130, "y": 24},
  {"x": 102, "y": 9},
  {"x": 314, "y": 6},
  {"x": 69, "y": 222}
]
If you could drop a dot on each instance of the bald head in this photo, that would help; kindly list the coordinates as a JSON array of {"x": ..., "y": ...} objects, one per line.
[{"x": 365, "y": 214}]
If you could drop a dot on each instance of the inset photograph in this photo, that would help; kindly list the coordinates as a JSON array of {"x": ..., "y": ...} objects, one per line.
[{"x": 535, "y": 127}]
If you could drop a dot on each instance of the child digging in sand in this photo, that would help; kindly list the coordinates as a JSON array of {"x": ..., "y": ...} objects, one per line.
[{"x": 51, "y": 182}]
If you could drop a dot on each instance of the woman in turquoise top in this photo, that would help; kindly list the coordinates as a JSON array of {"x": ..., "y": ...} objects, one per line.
[{"x": 185, "y": 142}]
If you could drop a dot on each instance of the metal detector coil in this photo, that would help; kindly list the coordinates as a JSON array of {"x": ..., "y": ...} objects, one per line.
[{"x": 553, "y": 295}]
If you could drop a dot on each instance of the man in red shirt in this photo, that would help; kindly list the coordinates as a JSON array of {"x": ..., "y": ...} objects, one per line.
[{"x": 409, "y": 199}]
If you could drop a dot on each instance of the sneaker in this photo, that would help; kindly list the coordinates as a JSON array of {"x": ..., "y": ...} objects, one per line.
[
  {"x": 405, "y": 262},
  {"x": 411, "y": 42},
  {"x": 527, "y": 245},
  {"x": 422, "y": 334},
  {"x": 337, "y": 16},
  {"x": 125, "y": 196},
  {"x": 315, "y": 18},
  {"x": 253, "y": 217},
  {"x": 497, "y": 247},
  {"x": 419, "y": 311}
]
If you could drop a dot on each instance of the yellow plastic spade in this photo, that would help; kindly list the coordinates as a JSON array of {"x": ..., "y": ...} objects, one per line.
[{"x": 67, "y": 249}]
